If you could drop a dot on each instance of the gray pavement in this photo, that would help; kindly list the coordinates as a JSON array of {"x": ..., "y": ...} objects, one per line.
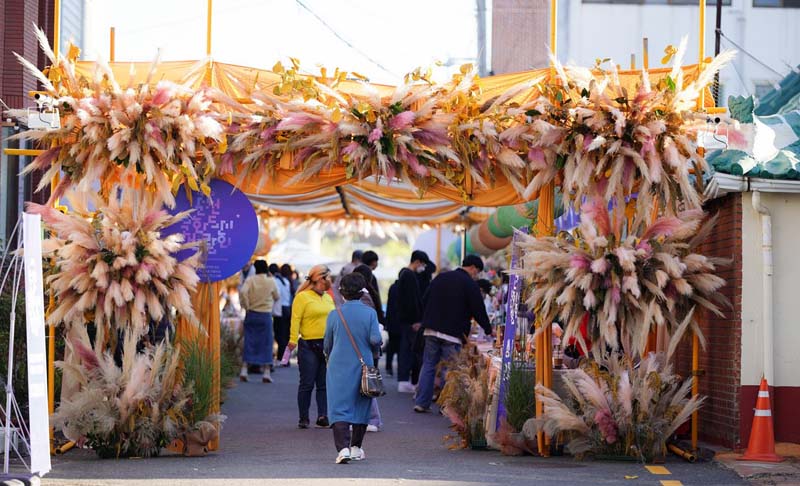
[{"x": 262, "y": 445}]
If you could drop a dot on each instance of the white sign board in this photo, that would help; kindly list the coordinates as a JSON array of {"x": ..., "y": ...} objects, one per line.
[{"x": 37, "y": 359}]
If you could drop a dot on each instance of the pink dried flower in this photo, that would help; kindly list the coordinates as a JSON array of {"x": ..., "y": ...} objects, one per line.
[{"x": 401, "y": 121}]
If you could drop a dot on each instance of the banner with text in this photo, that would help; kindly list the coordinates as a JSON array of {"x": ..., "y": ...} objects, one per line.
[
  {"x": 512, "y": 311},
  {"x": 38, "y": 416}
]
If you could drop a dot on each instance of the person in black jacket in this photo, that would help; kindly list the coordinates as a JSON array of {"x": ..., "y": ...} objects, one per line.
[
  {"x": 452, "y": 301},
  {"x": 409, "y": 317}
]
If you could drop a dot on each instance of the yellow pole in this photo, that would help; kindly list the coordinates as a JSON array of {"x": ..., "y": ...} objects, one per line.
[
  {"x": 208, "y": 76},
  {"x": 56, "y": 27},
  {"x": 111, "y": 39},
  {"x": 645, "y": 54},
  {"x": 208, "y": 30},
  {"x": 701, "y": 54},
  {"x": 544, "y": 227},
  {"x": 51, "y": 330},
  {"x": 633, "y": 61}
]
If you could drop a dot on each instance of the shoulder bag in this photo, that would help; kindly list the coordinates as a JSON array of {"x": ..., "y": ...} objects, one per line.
[{"x": 371, "y": 379}]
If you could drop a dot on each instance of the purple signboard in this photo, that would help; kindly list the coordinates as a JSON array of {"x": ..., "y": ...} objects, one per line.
[
  {"x": 227, "y": 223},
  {"x": 512, "y": 310}
]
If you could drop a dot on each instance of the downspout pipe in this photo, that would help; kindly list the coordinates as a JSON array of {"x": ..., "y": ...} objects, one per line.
[{"x": 766, "y": 257}]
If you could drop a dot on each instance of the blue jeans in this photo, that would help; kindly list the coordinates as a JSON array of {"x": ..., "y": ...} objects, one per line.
[
  {"x": 311, "y": 363},
  {"x": 436, "y": 350}
]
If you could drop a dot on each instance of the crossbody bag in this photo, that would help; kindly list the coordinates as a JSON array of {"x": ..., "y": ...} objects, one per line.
[{"x": 371, "y": 379}]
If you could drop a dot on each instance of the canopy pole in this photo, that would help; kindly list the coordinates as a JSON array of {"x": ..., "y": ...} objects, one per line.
[
  {"x": 544, "y": 227},
  {"x": 51, "y": 330},
  {"x": 111, "y": 44},
  {"x": 208, "y": 29},
  {"x": 701, "y": 50}
]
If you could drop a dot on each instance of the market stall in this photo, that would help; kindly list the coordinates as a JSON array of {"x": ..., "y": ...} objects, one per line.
[{"x": 288, "y": 138}]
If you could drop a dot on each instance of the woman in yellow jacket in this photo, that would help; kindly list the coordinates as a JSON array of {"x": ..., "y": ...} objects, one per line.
[{"x": 312, "y": 304}]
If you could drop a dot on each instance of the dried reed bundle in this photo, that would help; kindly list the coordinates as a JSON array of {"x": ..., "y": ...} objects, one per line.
[
  {"x": 618, "y": 406},
  {"x": 112, "y": 266},
  {"x": 132, "y": 410},
  {"x": 163, "y": 135},
  {"x": 626, "y": 282}
]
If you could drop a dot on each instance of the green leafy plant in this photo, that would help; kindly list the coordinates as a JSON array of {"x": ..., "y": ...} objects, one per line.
[
  {"x": 520, "y": 398},
  {"x": 198, "y": 373}
]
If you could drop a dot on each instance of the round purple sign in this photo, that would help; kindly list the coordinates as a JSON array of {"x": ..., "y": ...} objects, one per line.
[{"x": 227, "y": 222}]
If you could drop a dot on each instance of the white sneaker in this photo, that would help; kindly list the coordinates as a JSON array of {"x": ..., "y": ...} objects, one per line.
[
  {"x": 344, "y": 456},
  {"x": 373, "y": 428},
  {"x": 267, "y": 377},
  {"x": 405, "y": 387},
  {"x": 357, "y": 453}
]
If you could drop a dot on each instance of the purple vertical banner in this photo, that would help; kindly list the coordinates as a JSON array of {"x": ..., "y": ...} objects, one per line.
[{"x": 512, "y": 310}]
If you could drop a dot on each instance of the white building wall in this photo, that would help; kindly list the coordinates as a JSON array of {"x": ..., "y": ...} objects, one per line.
[
  {"x": 785, "y": 211},
  {"x": 616, "y": 30}
]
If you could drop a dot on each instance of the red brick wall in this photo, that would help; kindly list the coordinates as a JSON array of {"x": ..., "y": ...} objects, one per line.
[
  {"x": 18, "y": 18},
  {"x": 720, "y": 363}
]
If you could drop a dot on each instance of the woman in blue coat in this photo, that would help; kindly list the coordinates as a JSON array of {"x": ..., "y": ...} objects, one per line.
[{"x": 346, "y": 406}]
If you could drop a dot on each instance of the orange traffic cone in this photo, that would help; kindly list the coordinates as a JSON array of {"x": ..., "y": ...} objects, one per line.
[{"x": 762, "y": 436}]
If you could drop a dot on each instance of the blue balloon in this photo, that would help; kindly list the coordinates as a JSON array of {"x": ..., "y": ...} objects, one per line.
[{"x": 226, "y": 221}]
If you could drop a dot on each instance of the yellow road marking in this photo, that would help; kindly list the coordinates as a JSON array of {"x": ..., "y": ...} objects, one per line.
[
  {"x": 658, "y": 470},
  {"x": 671, "y": 482}
]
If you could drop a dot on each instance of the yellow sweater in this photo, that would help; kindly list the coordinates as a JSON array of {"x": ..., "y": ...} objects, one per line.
[{"x": 309, "y": 315}]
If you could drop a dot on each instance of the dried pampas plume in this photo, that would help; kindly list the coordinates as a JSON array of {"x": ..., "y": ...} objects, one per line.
[
  {"x": 623, "y": 281},
  {"x": 112, "y": 266}
]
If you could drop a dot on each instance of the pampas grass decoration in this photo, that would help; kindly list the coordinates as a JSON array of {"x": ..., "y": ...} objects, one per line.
[
  {"x": 626, "y": 280},
  {"x": 643, "y": 404},
  {"x": 162, "y": 134},
  {"x": 113, "y": 267}
]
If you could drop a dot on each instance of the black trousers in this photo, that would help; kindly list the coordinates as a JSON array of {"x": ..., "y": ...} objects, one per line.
[
  {"x": 342, "y": 438},
  {"x": 406, "y": 358},
  {"x": 280, "y": 326},
  {"x": 392, "y": 348},
  {"x": 311, "y": 362}
]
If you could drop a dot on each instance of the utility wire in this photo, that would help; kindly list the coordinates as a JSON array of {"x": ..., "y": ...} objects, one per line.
[
  {"x": 338, "y": 36},
  {"x": 750, "y": 55},
  {"x": 741, "y": 80}
]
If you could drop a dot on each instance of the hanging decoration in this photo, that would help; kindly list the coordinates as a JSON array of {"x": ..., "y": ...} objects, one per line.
[
  {"x": 584, "y": 130},
  {"x": 144, "y": 135},
  {"x": 112, "y": 266},
  {"x": 621, "y": 281}
]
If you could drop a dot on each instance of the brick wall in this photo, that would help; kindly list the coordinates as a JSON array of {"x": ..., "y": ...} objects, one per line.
[
  {"x": 17, "y": 18},
  {"x": 721, "y": 361}
]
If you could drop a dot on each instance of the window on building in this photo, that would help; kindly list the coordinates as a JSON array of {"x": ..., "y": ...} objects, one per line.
[{"x": 777, "y": 3}]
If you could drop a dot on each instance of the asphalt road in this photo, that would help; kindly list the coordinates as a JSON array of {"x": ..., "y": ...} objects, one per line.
[{"x": 261, "y": 444}]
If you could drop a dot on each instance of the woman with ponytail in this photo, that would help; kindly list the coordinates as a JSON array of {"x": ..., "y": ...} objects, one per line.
[{"x": 310, "y": 310}]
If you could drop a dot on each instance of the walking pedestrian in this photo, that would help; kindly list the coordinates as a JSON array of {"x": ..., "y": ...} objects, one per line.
[
  {"x": 393, "y": 327},
  {"x": 355, "y": 260},
  {"x": 452, "y": 301},
  {"x": 281, "y": 311},
  {"x": 409, "y": 316},
  {"x": 372, "y": 299},
  {"x": 348, "y": 408},
  {"x": 259, "y": 294},
  {"x": 310, "y": 310}
]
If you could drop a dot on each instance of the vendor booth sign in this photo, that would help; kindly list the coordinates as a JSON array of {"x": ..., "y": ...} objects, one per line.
[
  {"x": 512, "y": 311},
  {"x": 228, "y": 224}
]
